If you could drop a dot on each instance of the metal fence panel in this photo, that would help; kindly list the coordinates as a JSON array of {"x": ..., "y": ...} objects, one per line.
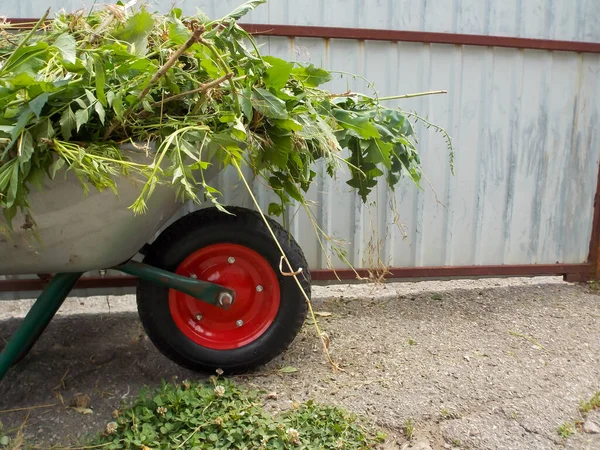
[
  {"x": 524, "y": 124},
  {"x": 569, "y": 20}
]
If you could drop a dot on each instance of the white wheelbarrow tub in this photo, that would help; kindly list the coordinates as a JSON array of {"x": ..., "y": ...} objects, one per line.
[{"x": 80, "y": 233}]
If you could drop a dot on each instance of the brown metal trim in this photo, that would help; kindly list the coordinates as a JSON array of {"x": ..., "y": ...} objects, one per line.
[
  {"x": 374, "y": 34},
  {"x": 458, "y": 271},
  {"x": 567, "y": 270},
  {"x": 421, "y": 36}
]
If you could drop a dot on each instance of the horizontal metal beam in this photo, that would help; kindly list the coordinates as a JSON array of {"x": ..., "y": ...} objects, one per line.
[
  {"x": 457, "y": 271},
  {"x": 376, "y": 34},
  {"x": 373, "y": 34},
  {"x": 575, "y": 271}
]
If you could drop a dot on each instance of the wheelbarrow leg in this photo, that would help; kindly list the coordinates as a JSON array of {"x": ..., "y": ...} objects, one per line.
[{"x": 38, "y": 317}]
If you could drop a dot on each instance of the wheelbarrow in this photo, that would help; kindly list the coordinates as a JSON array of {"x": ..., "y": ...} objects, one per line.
[{"x": 210, "y": 293}]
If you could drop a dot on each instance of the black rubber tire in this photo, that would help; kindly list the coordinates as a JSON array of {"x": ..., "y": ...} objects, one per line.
[{"x": 211, "y": 226}]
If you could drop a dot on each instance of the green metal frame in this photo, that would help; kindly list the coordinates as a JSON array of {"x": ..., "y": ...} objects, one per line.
[
  {"x": 53, "y": 296},
  {"x": 201, "y": 290}
]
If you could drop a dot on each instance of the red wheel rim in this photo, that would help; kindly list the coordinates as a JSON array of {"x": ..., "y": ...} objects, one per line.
[{"x": 256, "y": 303}]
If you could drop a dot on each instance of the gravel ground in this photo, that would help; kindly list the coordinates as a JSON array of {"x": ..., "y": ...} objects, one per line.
[{"x": 479, "y": 364}]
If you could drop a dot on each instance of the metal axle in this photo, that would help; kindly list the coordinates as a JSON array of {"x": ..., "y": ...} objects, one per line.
[{"x": 202, "y": 290}]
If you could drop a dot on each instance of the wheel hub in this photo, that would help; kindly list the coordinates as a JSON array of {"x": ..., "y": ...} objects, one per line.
[{"x": 235, "y": 322}]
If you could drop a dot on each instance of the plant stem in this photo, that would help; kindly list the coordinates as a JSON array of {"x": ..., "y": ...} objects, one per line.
[
  {"x": 224, "y": 65},
  {"x": 196, "y": 37},
  {"x": 24, "y": 41},
  {"x": 292, "y": 272},
  {"x": 203, "y": 88},
  {"x": 418, "y": 94}
]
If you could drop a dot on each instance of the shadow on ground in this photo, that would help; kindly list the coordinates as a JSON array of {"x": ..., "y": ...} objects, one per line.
[{"x": 485, "y": 368}]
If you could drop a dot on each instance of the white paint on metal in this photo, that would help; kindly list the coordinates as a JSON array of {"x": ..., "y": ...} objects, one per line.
[
  {"x": 524, "y": 125},
  {"x": 569, "y": 20}
]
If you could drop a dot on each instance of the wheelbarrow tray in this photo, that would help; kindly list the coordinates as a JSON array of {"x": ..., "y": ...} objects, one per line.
[
  {"x": 210, "y": 292},
  {"x": 77, "y": 232}
]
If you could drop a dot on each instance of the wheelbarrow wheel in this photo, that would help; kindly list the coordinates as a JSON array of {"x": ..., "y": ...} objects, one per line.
[{"x": 236, "y": 251}]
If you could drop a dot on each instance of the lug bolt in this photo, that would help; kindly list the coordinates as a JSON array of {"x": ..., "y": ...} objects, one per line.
[
  {"x": 231, "y": 260},
  {"x": 259, "y": 288},
  {"x": 198, "y": 316},
  {"x": 239, "y": 323}
]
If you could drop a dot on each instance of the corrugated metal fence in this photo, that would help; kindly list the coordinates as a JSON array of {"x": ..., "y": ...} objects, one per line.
[{"x": 524, "y": 124}]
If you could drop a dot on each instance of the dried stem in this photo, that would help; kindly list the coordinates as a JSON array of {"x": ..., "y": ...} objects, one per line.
[
  {"x": 196, "y": 36},
  {"x": 293, "y": 273},
  {"x": 417, "y": 94},
  {"x": 203, "y": 88}
]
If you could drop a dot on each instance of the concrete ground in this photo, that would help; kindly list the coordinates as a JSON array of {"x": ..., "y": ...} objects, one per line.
[{"x": 481, "y": 364}]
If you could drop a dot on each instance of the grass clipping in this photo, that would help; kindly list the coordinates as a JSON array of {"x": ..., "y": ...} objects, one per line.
[{"x": 194, "y": 93}]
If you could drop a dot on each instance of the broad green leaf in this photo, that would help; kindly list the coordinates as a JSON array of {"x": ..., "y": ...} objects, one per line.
[
  {"x": 239, "y": 130},
  {"x": 178, "y": 33},
  {"x": 269, "y": 105},
  {"x": 28, "y": 59},
  {"x": 6, "y": 129},
  {"x": 90, "y": 96},
  {"x": 292, "y": 190},
  {"x": 244, "y": 9},
  {"x": 13, "y": 187},
  {"x": 100, "y": 111},
  {"x": 56, "y": 166},
  {"x": 22, "y": 121},
  {"x": 227, "y": 118},
  {"x": 277, "y": 76},
  {"x": 110, "y": 96},
  {"x": 245, "y": 99},
  {"x": 82, "y": 117},
  {"x": 278, "y": 153},
  {"x": 38, "y": 103},
  {"x": 202, "y": 16},
  {"x": 43, "y": 130},
  {"x": 378, "y": 152},
  {"x": 117, "y": 104},
  {"x": 81, "y": 102},
  {"x": 26, "y": 148},
  {"x": 22, "y": 80},
  {"x": 135, "y": 67},
  {"x": 211, "y": 67},
  {"x": 351, "y": 121},
  {"x": 311, "y": 75},
  {"x": 100, "y": 80},
  {"x": 275, "y": 209},
  {"x": 189, "y": 150},
  {"x": 36, "y": 177},
  {"x": 136, "y": 31},
  {"x": 67, "y": 123},
  {"x": 67, "y": 45},
  {"x": 287, "y": 124}
]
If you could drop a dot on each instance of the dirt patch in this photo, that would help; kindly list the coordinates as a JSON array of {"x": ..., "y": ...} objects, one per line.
[{"x": 487, "y": 364}]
